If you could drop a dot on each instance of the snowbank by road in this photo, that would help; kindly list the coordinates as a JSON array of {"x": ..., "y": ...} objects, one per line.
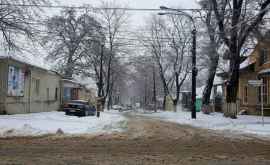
[
  {"x": 50, "y": 122},
  {"x": 216, "y": 121}
]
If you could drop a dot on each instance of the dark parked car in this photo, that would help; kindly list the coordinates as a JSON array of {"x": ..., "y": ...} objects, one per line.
[{"x": 79, "y": 108}]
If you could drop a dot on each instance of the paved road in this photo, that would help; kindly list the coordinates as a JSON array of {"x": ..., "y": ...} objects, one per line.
[{"x": 146, "y": 141}]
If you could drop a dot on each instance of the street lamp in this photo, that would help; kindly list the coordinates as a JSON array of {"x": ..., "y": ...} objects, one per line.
[{"x": 193, "y": 51}]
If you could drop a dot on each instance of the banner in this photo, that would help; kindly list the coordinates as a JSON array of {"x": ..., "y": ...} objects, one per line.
[{"x": 15, "y": 81}]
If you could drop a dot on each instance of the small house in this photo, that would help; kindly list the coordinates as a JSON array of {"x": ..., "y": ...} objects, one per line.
[
  {"x": 255, "y": 67},
  {"x": 26, "y": 88}
]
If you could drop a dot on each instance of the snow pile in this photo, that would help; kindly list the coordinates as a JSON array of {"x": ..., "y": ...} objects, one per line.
[
  {"x": 51, "y": 122},
  {"x": 199, "y": 92},
  {"x": 216, "y": 121}
]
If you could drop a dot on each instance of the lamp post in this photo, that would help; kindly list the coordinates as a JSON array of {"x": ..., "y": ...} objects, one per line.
[
  {"x": 193, "y": 52},
  {"x": 100, "y": 83}
]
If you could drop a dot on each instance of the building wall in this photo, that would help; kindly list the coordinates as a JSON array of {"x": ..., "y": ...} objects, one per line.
[
  {"x": 38, "y": 97},
  {"x": 252, "y": 104},
  {"x": 247, "y": 94},
  {"x": 258, "y": 67},
  {"x": 85, "y": 94},
  {"x": 2, "y": 85}
]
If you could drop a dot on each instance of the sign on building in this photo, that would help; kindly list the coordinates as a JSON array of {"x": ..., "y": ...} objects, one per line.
[
  {"x": 255, "y": 83},
  {"x": 15, "y": 81}
]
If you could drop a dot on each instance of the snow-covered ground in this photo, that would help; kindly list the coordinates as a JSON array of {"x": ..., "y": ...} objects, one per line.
[
  {"x": 216, "y": 121},
  {"x": 50, "y": 122}
]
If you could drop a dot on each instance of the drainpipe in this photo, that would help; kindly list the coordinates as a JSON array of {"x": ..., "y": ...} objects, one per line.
[{"x": 29, "y": 91}]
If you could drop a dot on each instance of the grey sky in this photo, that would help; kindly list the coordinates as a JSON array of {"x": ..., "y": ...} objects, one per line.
[
  {"x": 137, "y": 3},
  {"x": 137, "y": 17}
]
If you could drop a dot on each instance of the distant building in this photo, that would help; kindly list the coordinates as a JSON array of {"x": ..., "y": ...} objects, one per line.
[
  {"x": 74, "y": 90},
  {"x": 26, "y": 88}
]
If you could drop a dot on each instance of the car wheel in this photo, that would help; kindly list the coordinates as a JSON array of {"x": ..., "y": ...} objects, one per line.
[{"x": 86, "y": 113}]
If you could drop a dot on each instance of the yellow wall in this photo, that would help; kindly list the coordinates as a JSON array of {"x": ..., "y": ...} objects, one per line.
[
  {"x": 252, "y": 99},
  {"x": 32, "y": 101}
]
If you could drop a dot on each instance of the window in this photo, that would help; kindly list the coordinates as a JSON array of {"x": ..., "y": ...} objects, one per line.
[
  {"x": 56, "y": 94},
  {"x": 48, "y": 93},
  {"x": 265, "y": 92},
  {"x": 263, "y": 56},
  {"x": 36, "y": 83},
  {"x": 245, "y": 94},
  {"x": 265, "y": 89}
]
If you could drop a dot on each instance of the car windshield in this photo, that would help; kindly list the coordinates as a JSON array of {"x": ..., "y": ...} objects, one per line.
[
  {"x": 75, "y": 105},
  {"x": 78, "y": 102}
]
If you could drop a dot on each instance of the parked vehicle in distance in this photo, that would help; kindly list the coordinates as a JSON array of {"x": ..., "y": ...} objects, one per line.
[
  {"x": 79, "y": 108},
  {"x": 117, "y": 107},
  {"x": 129, "y": 107}
]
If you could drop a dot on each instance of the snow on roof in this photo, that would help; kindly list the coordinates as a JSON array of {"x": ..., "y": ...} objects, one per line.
[
  {"x": 71, "y": 80},
  {"x": 264, "y": 71},
  {"x": 88, "y": 82},
  {"x": 185, "y": 91},
  {"x": 247, "y": 62},
  {"x": 218, "y": 80},
  {"x": 35, "y": 61}
]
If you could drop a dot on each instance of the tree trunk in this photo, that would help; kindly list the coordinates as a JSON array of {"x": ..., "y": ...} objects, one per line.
[
  {"x": 69, "y": 68},
  {"x": 209, "y": 85},
  {"x": 109, "y": 105},
  {"x": 175, "y": 105},
  {"x": 232, "y": 86},
  {"x": 154, "y": 89},
  {"x": 164, "y": 102}
]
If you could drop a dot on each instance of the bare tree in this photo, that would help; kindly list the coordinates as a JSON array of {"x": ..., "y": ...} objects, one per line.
[
  {"x": 146, "y": 82},
  {"x": 94, "y": 63},
  {"x": 68, "y": 37},
  {"x": 112, "y": 20},
  {"x": 235, "y": 33},
  {"x": 18, "y": 21},
  {"x": 169, "y": 44}
]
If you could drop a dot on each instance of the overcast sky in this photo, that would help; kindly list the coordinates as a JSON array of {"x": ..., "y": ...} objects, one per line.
[
  {"x": 137, "y": 17},
  {"x": 137, "y": 3}
]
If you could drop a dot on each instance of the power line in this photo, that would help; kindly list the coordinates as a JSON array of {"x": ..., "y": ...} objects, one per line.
[
  {"x": 104, "y": 8},
  {"x": 84, "y": 7}
]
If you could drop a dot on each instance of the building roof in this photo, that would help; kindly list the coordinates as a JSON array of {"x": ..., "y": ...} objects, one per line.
[
  {"x": 264, "y": 71},
  {"x": 22, "y": 60},
  {"x": 247, "y": 62}
]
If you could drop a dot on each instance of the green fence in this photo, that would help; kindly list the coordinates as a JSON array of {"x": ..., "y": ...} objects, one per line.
[{"x": 198, "y": 104}]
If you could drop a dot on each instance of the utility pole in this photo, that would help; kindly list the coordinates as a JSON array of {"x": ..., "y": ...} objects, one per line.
[
  {"x": 100, "y": 100},
  {"x": 154, "y": 89},
  {"x": 100, "y": 83},
  {"x": 194, "y": 74}
]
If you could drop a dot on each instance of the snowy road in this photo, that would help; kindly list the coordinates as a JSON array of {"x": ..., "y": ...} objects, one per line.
[
  {"x": 244, "y": 124},
  {"x": 113, "y": 121},
  {"x": 145, "y": 141}
]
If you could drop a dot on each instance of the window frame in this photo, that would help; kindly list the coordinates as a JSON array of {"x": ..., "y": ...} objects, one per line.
[
  {"x": 245, "y": 95},
  {"x": 263, "y": 56}
]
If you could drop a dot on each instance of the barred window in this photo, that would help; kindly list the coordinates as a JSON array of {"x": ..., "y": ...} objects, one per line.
[{"x": 263, "y": 56}]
